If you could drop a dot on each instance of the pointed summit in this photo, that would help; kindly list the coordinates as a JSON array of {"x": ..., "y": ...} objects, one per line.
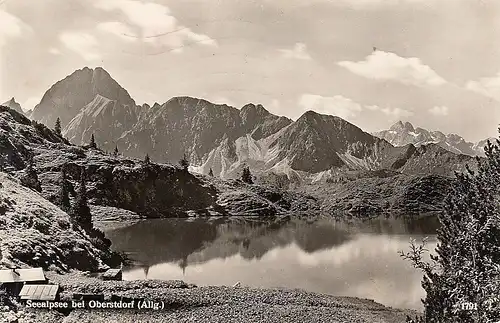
[
  {"x": 13, "y": 105},
  {"x": 66, "y": 98},
  {"x": 400, "y": 126}
]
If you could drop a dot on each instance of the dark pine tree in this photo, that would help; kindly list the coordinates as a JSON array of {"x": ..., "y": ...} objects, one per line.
[
  {"x": 80, "y": 211},
  {"x": 64, "y": 190},
  {"x": 184, "y": 162},
  {"x": 92, "y": 143},
  {"x": 57, "y": 127},
  {"x": 211, "y": 172},
  {"x": 115, "y": 152},
  {"x": 246, "y": 175},
  {"x": 147, "y": 160}
]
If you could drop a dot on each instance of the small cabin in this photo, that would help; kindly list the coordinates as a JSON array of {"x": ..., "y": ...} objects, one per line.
[
  {"x": 112, "y": 274},
  {"x": 39, "y": 292},
  {"x": 13, "y": 280}
]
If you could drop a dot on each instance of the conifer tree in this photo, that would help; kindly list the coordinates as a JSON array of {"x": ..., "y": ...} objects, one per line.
[
  {"x": 115, "y": 152},
  {"x": 466, "y": 267},
  {"x": 80, "y": 211},
  {"x": 184, "y": 162},
  {"x": 211, "y": 172},
  {"x": 246, "y": 175},
  {"x": 92, "y": 143},
  {"x": 57, "y": 127},
  {"x": 147, "y": 160}
]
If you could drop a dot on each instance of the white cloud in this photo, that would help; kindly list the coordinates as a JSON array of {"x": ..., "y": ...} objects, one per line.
[
  {"x": 337, "y": 105},
  {"x": 382, "y": 65},
  {"x": 396, "y": 112},
  {"x": 156, "y": 22},
  {"x": 346, "y": 108},
  {"x": 11, "y": 27},
  {"x": 393, "y": 113},
  {"x": 54, "y": 51},
  {"x": 488, "y": 86},
  {"x": 81, "y": 43},
  {"x": 118, "y": 29},
  {"x": 299, "y": 51},
  {"x": 439, "y": 110}
]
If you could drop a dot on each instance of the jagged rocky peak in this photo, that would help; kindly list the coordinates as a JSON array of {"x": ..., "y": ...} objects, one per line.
[
  {"x": 454, "y": 137},
  {"x": 13, "y": 105},
  {"x": 251, "y": 114},
  {"x": 256, "y": 110},
  {"x": 190, "y": 106},
  {"x": 402, "y": 126},
  {"x": 401, "y": 134},
  {"x": 311, "y": 117},
  {"x": 66, "y": 98},
  {"x": 330, "y": 124}
]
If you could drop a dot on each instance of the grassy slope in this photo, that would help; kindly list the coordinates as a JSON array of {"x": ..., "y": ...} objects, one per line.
[{"x": 35, "y": 232}]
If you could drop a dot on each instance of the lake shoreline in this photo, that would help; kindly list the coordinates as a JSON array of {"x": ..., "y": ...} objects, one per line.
[{"x": 188, "y": 303}]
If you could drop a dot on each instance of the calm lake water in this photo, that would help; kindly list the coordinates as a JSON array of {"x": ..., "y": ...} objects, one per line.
[{"x": 328, "y": 257}]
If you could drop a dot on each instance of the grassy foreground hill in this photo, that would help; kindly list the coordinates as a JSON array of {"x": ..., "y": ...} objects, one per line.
[{"x": 36, "y": 233}]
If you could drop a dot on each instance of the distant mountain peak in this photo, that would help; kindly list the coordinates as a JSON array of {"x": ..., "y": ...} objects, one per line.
[
  {"x": 67, "y": 97},
  {"x": 403, "y": 133},
  {"x": 400, "y": 125},
  {"x": 13, "y": 105},
  {"x": 310, "y": 115}
]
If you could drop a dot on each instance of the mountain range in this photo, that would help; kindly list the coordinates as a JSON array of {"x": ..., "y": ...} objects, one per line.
[
  {"x": 224, "y": 138},
  {"x": 404, "y": 133}
]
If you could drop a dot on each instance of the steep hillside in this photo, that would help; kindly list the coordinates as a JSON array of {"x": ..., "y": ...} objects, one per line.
[
  {"x": 36, "y": 233},
  {"x": 196, "y": 127},
  {"x": 317, "y": 142},
  {"x": 106, "y": 118}
]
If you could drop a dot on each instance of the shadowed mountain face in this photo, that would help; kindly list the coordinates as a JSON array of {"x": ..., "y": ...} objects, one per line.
[
  {"x": 225, "y": 139},
  {"x": 401, "y": 134},
  {"x": 195, "y": 126}
]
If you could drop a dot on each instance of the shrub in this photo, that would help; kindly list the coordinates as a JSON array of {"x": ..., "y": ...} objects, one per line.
[{"x": 466, "y": 266}]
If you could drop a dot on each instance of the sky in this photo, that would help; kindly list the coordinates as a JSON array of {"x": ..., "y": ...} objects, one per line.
[{"x": 435, "y": 63}]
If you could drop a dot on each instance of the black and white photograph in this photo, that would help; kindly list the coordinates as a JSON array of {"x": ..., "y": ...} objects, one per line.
[{"x": 249, "y": 161}]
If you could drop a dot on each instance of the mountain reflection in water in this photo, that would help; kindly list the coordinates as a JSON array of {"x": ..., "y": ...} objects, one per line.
[{"x": 325, "y": 256}]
